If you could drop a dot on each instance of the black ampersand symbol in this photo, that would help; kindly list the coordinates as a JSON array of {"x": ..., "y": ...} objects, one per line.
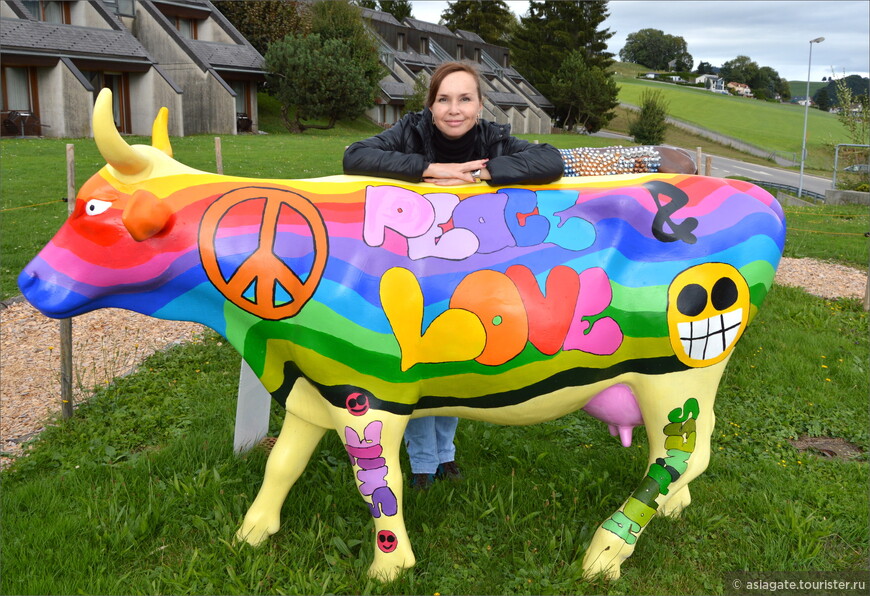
[{"x": 678, "y": 199}]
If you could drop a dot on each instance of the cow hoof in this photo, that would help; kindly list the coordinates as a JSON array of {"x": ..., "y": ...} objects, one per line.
[
  {"x": 384, "y": 572},
  {"x": 605, "y": 555},
  {"x": 674, "y": 506},
  {"x": 256, "y": 529}
]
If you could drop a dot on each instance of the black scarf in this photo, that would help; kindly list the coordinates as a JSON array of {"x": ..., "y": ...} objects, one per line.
[{"x": 455, "y": 150}]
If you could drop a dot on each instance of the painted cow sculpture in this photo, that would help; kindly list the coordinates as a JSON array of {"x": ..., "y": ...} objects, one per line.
[{"x": 362, "y": 302}]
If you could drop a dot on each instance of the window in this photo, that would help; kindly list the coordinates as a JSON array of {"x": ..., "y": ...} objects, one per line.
[
  {"x": 477, "y": 54},
  {"x": 120, "y": 7},
  {"x": 400, "y": 42},
  {"x": 20, "y": 102},
  {"x": 424, "y": 46},
  {"x": 50, "y": 12},
  {"x": 459, "y": 50},
  {"x": 16, "y": 89},
  {"x": 241, "y": 89},
  {"x": 186, "y": 27},
  {"x": 119, "y": 85}
]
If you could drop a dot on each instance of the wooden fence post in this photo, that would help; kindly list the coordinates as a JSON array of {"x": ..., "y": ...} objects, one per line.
[
  {"x": 218, "y": 155},
  {"x": 867, "y": 292},
  {"x": 698, "y": 158},
  {"x": 708, "y": 165},
  {"x": 66, "y": 347}
]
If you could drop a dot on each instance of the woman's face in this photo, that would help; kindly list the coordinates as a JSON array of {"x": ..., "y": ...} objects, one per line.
[{"x": 457, "y": 105}]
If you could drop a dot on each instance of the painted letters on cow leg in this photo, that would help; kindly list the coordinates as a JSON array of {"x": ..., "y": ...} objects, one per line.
[
  {"x": 286, "y": 462},
  {"x": 677, "y": 409},
  {"x": 372, "y": 440}
]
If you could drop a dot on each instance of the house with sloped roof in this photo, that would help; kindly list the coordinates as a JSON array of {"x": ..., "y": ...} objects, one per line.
[
  {"x": 182, "y": 54},
  {"x": 414, "y": 48},
  {"x": 741, "y": 89}
]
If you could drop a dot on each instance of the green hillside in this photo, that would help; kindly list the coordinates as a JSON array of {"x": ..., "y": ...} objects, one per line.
[
  {"x": 772, "y": 126},
  {"x": 799, "y": 88}
]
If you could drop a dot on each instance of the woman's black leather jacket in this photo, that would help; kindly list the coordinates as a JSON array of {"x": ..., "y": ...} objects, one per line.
[{"x": 405, "y": 150}]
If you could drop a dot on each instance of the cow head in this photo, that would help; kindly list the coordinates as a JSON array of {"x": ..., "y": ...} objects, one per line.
[{"x": 121, "y": 224}]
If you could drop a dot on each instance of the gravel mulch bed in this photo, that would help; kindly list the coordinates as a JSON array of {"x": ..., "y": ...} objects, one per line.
[
  {"x": 112, "y": 342},
  {"x": 107, "y": 343}
]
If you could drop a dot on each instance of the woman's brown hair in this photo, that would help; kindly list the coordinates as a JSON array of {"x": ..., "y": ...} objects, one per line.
[{"x": 449, "y": 68}]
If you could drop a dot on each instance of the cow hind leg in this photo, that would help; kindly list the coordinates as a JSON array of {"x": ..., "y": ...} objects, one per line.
[
  {"x": 373, "y": 441},
  {"x": 678, "y": 414},
  {"x": 286, "y": 462}
]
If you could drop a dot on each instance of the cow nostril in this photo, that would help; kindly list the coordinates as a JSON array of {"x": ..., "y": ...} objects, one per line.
[
  {"x": 692, "y": 300},
  {"x": 724, "y": 293}
]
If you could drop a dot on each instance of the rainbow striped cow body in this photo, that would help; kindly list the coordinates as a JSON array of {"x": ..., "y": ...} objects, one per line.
[{"x": 362, "y": 302}]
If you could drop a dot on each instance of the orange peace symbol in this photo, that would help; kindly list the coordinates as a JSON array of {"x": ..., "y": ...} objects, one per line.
[{"x": 263, "y": 269}]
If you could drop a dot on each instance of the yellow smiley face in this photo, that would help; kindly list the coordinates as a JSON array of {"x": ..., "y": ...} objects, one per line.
[{"x": 708, "y": 310}]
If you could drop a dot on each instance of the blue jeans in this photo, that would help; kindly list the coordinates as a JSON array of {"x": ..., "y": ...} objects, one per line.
[{"x": 429, "y": 441}]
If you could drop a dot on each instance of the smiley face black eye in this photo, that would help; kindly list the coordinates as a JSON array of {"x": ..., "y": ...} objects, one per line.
[
  {"x": 724, "y": 293},
  {"x": 692, "y": 300}
]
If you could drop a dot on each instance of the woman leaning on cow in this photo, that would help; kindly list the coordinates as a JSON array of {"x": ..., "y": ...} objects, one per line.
[{"x": 448, "y": 143}]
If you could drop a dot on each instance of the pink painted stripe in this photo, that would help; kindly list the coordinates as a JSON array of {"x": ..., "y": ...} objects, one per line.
[{"x": 107, "y": 274}]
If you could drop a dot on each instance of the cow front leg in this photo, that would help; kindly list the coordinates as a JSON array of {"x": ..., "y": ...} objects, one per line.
[
  {"x": 288, "y": 459},
  {"x": 678, "y": 414},
  {"x": 373, "y": 441}
]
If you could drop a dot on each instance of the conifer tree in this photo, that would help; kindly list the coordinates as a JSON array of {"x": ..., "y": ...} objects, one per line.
[
  {"x": 400, "y": 9},
  {"x": 333, "y": 72},
  {"x": 492, "y": 20},
  {"x": 552, "y": 30}
]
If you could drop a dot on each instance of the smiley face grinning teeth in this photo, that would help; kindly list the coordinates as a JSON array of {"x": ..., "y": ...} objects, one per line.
[{"x": 708, "y": 338}]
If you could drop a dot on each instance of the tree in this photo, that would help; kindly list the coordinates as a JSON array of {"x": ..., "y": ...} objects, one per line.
[
  {"x": 333, "y": 72},
  {"x": 586, "y": 93},
  {"x": 656, "y": 50},
  {"x": 856, "y": 85},
  {"x": 764, "y": 81},
  {"x": 492, "y": 20},
  {"x": 740, "y": 70},
  {"x": 822, "y": 100},
  {"x": 705, "y": 68},
  {"x": 263, "y": 23},
  {"x": 400, "y": 9},
  {"x": 857, "y": 122},
  {"x": 417, "y": 101},
  {"x": 650, "y": 125},
  {"x": 550, "y": 31}
]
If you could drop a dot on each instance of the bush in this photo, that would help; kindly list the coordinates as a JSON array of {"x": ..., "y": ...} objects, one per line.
[{"x": 650, "y": 125}]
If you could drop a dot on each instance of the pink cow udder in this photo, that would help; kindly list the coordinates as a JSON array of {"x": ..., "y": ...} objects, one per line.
[{"x": 617, "y": 407}]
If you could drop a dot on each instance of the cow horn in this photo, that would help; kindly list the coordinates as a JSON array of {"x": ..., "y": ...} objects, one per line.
[
  {"x": 160, "y": 132},
  {"x": 112, "y": 147}
]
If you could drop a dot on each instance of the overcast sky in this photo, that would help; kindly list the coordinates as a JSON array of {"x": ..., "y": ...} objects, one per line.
[{"x": 774, "y": 34}]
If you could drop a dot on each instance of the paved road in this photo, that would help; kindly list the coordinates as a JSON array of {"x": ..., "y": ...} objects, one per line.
[{"x": 723, "y": 167}]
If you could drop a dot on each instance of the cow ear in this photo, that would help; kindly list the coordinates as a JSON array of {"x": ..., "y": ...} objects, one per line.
[{"x": 145, "y": 215}]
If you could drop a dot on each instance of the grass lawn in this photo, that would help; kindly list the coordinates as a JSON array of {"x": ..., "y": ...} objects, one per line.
[
  {"x": 774, "y": 126},
  {"x": 139, "y": 493}
]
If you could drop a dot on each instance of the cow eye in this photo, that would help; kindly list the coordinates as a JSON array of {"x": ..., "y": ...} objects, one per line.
[{"x": 96, "y": 206}]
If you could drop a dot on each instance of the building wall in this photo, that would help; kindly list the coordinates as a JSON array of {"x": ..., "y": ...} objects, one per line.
[
  {"x": 208, "y": 106},
  {"x": 152, "y": 92},
  {"x": 65, "y": 104},
  {"x": 82, "y": 14},
  {"x": 209, "y": 30}
]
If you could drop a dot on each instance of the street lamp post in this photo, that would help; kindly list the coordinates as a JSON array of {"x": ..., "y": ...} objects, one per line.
[{"x": 806, "y": 115}]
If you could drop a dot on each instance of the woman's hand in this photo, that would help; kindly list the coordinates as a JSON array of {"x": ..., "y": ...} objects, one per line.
[{"x": 454, "y": 174}]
